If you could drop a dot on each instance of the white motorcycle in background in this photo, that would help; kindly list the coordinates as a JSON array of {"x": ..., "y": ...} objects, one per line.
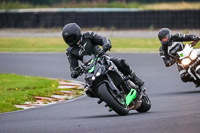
[{"x": 189, "y": 58}]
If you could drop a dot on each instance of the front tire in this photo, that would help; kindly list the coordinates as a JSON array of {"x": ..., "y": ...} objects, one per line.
[
  {"x": 111, "y": 101},
  {"x": 198, "y": 71}
]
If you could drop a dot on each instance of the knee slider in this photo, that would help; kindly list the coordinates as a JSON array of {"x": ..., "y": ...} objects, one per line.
[
  {"x": 90, "y": 94},
  {"x": 183, "y": 78}
]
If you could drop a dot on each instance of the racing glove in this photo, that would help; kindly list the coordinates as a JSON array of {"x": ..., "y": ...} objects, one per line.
[
  {"x": 196, "y": 38},
  {"x": 107, "y": 45}
]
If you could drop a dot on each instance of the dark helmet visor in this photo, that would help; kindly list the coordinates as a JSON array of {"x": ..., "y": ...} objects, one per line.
[{"x": 70, "y": 38}]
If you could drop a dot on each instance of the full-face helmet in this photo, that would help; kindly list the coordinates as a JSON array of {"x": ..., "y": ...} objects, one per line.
[
  {"x": 164, "y": 36},
  {"x": 71, "y": 34}
]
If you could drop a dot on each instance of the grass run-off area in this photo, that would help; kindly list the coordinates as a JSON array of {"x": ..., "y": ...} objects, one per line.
[
  {"x": 18, "y": 89},
  {"x": 57, "y": 44},
  {"x": 154, "y": 6}
]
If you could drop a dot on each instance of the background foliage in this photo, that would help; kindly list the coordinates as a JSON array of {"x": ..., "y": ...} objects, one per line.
[{"x": 52, "y": 2}]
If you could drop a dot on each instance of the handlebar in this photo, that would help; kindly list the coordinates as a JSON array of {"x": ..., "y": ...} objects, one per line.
[
  {"x": 80, "y": 69},
  {"x": 102, "y": 52}
]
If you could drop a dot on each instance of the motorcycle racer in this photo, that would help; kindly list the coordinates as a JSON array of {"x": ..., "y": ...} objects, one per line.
[
  {"x": 81, "y": 44},
  {"x": 171, "y": 44}
]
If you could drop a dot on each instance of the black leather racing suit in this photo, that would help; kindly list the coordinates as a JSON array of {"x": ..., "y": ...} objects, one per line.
[
  {"x": 90, "y": 45},
  {"x": 168, "y": 53}
]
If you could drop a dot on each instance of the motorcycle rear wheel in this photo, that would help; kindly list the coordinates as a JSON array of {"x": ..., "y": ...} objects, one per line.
[
  {"x": 146, "y": 104},
  {"x": 111, "y": 101}
]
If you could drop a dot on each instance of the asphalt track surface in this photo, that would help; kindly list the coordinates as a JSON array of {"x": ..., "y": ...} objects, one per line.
[{"x": 175, "y": 105}]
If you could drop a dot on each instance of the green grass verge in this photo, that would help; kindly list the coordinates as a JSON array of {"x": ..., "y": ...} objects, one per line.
[
  {"x": 32, "y": 45},
  {"x": 153, "y": 6},
  {"x": 135, "y": 44},
  {"x": 57, "y": 44},
  {"x": 18, "y": 89}
]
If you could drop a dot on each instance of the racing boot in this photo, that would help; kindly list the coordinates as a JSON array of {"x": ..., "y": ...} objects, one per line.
[
  {"x": 138, "y": 82},
  {"x": 197, "y": 83}
]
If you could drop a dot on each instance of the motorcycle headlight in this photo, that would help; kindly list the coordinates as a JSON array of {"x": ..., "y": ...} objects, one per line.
[
  {"x": 186, "y": 61},
  {"x": 93, "y": 78},
  {"x": 98, "y": 73},
  {"x": 193, "y": 55}
]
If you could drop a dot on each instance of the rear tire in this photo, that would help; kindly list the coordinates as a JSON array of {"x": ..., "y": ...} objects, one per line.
[
  {"x": 111, "y": 101},
  {"x": 146, "y": 104}
]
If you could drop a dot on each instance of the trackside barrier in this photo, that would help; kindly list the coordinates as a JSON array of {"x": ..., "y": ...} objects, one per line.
[{"x": 124, "y": 19}]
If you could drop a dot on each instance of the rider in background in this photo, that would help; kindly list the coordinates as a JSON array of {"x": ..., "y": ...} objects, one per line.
[
  {"x": 88, "y": 44},
  {"x": 171, "y": 44}
]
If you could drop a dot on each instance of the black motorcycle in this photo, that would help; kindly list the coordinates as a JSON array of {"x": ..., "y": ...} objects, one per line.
[{"x": 106, "y": 82}]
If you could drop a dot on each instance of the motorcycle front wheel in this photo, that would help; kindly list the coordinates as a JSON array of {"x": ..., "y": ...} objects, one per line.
[
  {"x": 198, "y": 71},
  {"x": 111, "y": 100}
]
